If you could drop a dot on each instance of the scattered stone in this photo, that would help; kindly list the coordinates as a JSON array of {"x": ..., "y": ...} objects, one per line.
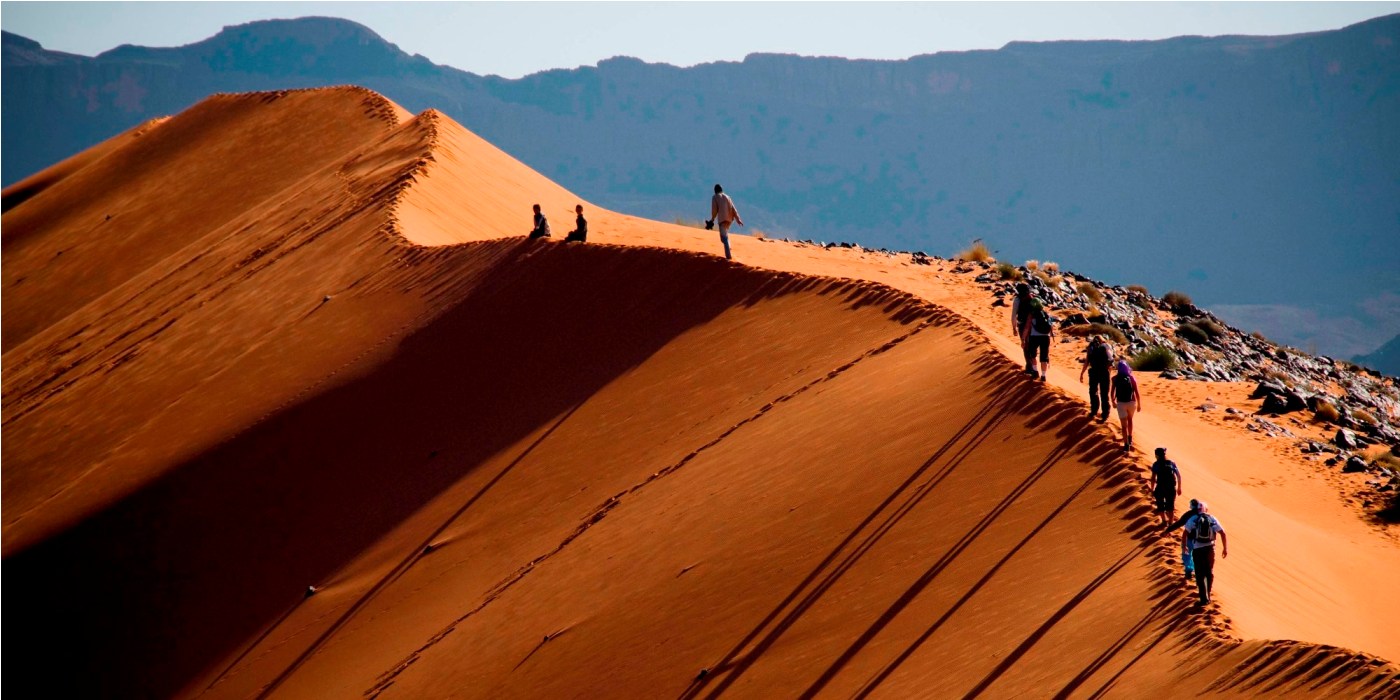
[
  {"x": 1354, "y": 464},
  {"x": 1345, "y": 439},
  {"x": 1274, "y": 404},
  {"x": 310, "y": 591}
]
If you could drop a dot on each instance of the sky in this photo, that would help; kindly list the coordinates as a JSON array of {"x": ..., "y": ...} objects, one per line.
[{"x": 513, "y": 39}]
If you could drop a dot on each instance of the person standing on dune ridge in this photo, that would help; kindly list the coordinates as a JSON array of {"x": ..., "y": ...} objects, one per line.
[
  {"x": 723, "y": 213},
  {"x": 1200, "y": 533},
  {"x": 1127, "y": 400}
]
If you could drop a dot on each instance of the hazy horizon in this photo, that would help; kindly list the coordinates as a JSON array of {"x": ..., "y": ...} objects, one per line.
[{"x": 572, "y": 34}]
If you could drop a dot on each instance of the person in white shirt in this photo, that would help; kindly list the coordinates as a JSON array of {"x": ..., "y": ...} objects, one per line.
[{"x": 723, "y": 213}]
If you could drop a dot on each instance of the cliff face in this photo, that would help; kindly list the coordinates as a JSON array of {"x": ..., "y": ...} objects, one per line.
[{"x": 1192, "y": 163}]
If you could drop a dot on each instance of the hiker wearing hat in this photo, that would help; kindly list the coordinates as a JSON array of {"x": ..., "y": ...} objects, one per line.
[
  {"x": 1166, "y": 486},
  {"x": 1097, "y": 360},
  {"x": 1186, "y": 561},
  {"x": 1200, "y": 533}
]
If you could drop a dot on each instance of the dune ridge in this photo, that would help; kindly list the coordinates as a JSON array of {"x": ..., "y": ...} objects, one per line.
[{"x": 366, "y": 383}]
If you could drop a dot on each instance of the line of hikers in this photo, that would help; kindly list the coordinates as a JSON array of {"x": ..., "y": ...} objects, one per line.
[
  {"x": 1032, "y": 323},
  {"x": 722, "y": 213},
  {"x": 1200, "y": 527}
]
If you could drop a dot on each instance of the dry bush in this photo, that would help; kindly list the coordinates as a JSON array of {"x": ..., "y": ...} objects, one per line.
[
  {"x": 760, "y": 235},
  {"x": 1154, "y": 359},
  {"x": 1032, "y": 265},
  {"x": 1211, "y": 328},
  {"x": 1260, "y": 337},
  {"x": 977, "y": 252},
  {"x": 1138, "y": 288},
  {"x": 1090, "y": 292},
  {"x": 1050, "y": 267},
  {"x": 1056, "y": 280},
  {"x": 1175, "y": 299},
  {"x": 1007, "y": 271},
  {"x": 682, "y": 221},
  {"x": 1364, "y": 417},
  {"x": 1192, "y": 333},
  {"x": 1326, "y": 412},
  {"x": 1084, "y": 330}
]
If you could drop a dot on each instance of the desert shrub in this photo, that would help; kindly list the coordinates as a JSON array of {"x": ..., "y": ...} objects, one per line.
[
  {"x": 760, "y": 235},
  {"x": 1138, "y": 288},
  {"x": 1032, "y": 265},
  {"x": 1211, "y": 328},
  {"x": 1090, "y": 292},
  {"x": 1176, "y": 299},
  {"x": 1364, "y": 417},
  {"x": 1050, "y": 267},
  {"x": 682, "y": 221},
  {"x": 1192, "y": 333},
  {"x": 1084, "y": 330},
  {"x": 1056, "y": 280},
  {"x": 977, "y": 252},
  {"x": 1387, "y": 460},
  {"x": 1007, "y": 271},
  {"x": 1260, "y": 337},
  {"x": 1154, "y": 359},
  {"x": 1326, "y": 412}
]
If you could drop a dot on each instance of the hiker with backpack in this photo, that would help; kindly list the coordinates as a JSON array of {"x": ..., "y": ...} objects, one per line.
[
  {"x": 1186, "y": 561},
  {"x": 541, "y": 229},
  {"x": 1127, "y": 400},
  {"x": 580, "y": 232},
  {"x": 1036, "y": 332},
  {"x": 1020, "y": 309},
  {"x": 1166, "y": 485},
  {"x": 1098, "y": 359},
  {"x": 723, "y": 213},
  {"x": 1200, "y": 533}
]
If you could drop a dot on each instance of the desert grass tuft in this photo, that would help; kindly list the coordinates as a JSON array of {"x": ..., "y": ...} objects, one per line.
[
  {"x": 1364, "y": 417},
  {"x": 1138, "y": 288},
  {"x": 1032, "y": 265},
  {"x": 1007, "y": 271},
  {"x": 977, "y": 252},
  {"x": 1050, "y": 268},
  {"x": 1084, "y": 330},
  {"x": 1158, "y": 358},
  {"x": 1177, "y": 299},
  {"x": 1090, "y": 292},
  {"x": 1326, "y": 412}
]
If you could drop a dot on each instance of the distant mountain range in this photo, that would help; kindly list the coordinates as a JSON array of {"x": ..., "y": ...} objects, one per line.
[
  {"x": 1259, "y": 174},
  {"x": 1386, "y": 359}
]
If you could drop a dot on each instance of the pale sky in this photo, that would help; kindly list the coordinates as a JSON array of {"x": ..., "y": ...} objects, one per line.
[{"x": 512, "y": 39}]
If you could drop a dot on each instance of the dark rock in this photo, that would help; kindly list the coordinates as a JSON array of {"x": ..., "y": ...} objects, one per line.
[
  {"x": 1344, "y": 439},
  {"x": 1354, "y": 464},
  {"x": 1274, "y": 405},
  {"x": 1170, "y": 374},
  {"x": 1267, "y": 388}
]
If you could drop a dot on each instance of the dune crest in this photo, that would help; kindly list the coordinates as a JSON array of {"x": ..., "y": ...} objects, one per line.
[{"x": 532, "y": 469}]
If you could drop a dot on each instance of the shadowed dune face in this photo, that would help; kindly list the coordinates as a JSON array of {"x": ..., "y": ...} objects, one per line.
[{"x": 517, "y": 469}]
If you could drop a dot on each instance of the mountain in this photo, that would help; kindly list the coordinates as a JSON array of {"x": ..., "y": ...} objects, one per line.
[
  {"x": 318, "y": 421},
  {"x": 1385, "y": 359},
  {"x": 1259, "y": 174}
]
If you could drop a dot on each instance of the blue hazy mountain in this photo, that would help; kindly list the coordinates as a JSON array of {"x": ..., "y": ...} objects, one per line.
[{"x": 1261, "y": 175}]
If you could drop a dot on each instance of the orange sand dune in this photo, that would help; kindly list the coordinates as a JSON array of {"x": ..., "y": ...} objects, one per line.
[{"x": 533, "y": 469}]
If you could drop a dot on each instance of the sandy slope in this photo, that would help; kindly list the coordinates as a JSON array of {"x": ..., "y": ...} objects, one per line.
[{"x": 538, "y": 470}]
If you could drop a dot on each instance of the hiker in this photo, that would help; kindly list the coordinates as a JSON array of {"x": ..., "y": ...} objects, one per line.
[
  {"x": 1127, "y": 400},
  {"x": 722, "y": 212},
  {"x": 1098, "y": 358},
  {"x": 580, "y": 233},
  {"x": 1036, "y": 332},
  {"x": 1186, "y": 561},
  {"x": 1020, "y": 310},
  {"x": 1166, "y": 485},
  {"x": 541, "y": 229},
  {"x": 1200, "y": 533}
]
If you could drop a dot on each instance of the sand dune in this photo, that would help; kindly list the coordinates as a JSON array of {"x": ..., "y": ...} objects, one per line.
[{"x": 312, "y": 348}]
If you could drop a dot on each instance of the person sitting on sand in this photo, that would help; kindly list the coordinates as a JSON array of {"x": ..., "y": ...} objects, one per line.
[
  {"x": 580, "y": 232},
  {"x": 1127, "y": 400},
  {"x": 722, "y": 212},
  {"x": 541, "y": 229},
  {"x": 1200, "y": 533},
  {"x": 1166, "y": 485},
  {"x": 1098, "y": 359},
  {"x": 1186, "y": 562}
]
